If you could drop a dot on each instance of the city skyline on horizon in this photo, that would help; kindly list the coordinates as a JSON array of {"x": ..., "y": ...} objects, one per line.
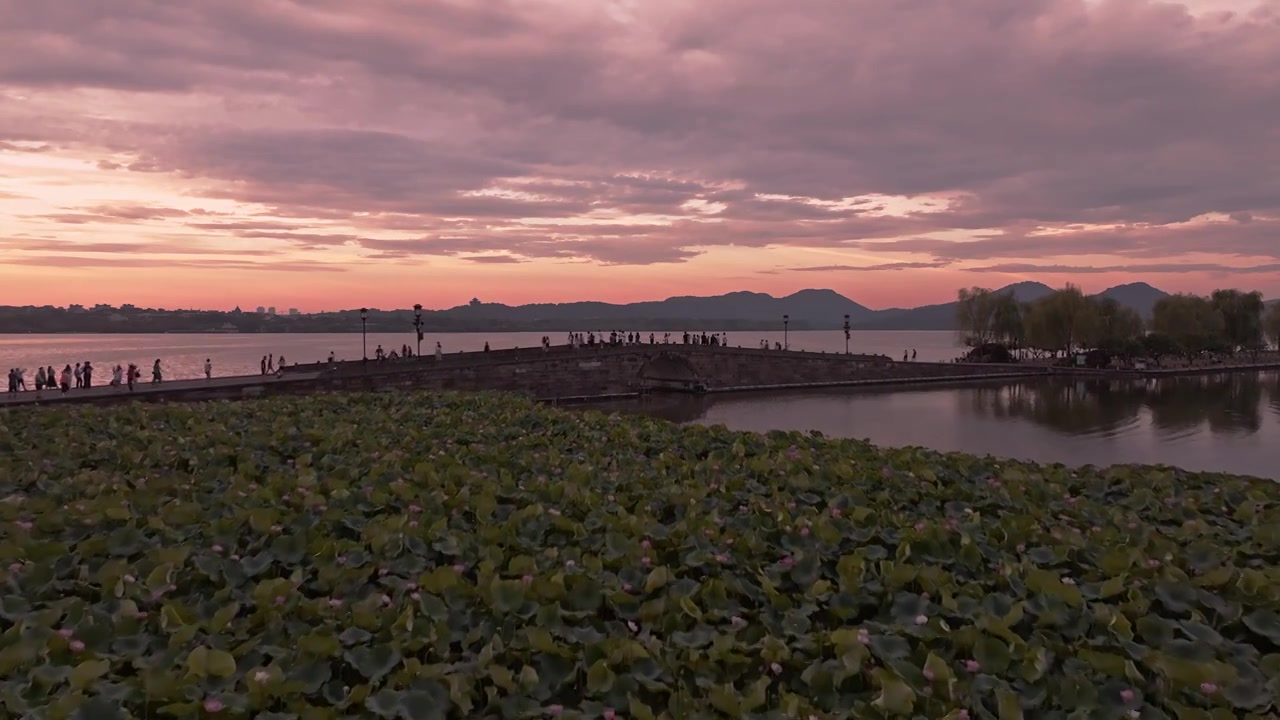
[{"x": 560, "y": 151}]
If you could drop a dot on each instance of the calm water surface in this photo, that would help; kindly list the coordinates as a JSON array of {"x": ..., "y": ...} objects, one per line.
[
  {"x": 183, "y": 356},
  {"x": 1227, "y": 423}
]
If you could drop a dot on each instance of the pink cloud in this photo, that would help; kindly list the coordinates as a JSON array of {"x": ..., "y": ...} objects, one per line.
[{"x": 630, "y": 138}]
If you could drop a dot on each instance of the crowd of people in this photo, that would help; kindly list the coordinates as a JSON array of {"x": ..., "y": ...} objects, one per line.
[{"x": 80, "y": 377}]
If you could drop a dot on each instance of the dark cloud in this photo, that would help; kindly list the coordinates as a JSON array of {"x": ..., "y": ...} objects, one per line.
[
  {"x": 1144, "y": 269},
  {"x": 460, "y": 122},
  {"x": 492, "y": 259},
  {"x": 870, "y": 268}
]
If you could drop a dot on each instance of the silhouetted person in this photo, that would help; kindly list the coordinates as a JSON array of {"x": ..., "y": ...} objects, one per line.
[
  {"x": 87, "y": 371},
  {"x": 155, "y": 372}
]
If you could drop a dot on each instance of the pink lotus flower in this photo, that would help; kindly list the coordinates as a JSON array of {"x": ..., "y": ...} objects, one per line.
[
  {"x": 722, "y": 558},
  {"x": 1208, "y": 688},
  {"x": 788, "y": 561},
  {"x": 1126, "y": 695},
  {"x": 609, "y": 714},
  {"x": 737, "y": 622},
  {"x": 213, "y": 705},
  {"x": 555, "y": 710},
  {"x": 386, "y": 599},
  {"x": 413, "y": 523},
  {"x": 645, "y": 561},
  {"x": 922, "y": 619},
  {"x": 804, "y": 532},
  {"x": 646, "y": 544},
  {"x": 864, "y": 637},
  {"x": 76, "y": 646},
  {"x": 962, "y": 715},
  {"x": 26, "y": 524},
  {"x": 261, "y": 676},
  {"x": 972, "y": 666},
  {"x": 928, "y": 674},
  {"x": 460, "y": 567},
  {"x": 835, "y": 512},
  {"x": 382, "y": 572},
  {"x": 15, "y": 567},
  {"x": 1153, "y": 563},
  {"x": 280, "y": 600},
  {"x": 66, "y": 632},
  {"x": 415, "y": 509},
  {"x": 335, "y": 603},
  {"x": 216, "y": 548},
  {"x": 415, "y": 595}
]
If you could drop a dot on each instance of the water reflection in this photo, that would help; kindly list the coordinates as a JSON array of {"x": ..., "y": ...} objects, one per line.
[
  {"x": 1227, "y": 423},
  {"x": 1224, "y": 404}
]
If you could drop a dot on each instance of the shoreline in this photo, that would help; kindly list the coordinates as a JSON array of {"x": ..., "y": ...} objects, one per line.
[{"x": 302, "y": 381}]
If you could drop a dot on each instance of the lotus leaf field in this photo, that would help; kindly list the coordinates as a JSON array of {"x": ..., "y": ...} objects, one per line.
[{"x": 467, "y": 556}]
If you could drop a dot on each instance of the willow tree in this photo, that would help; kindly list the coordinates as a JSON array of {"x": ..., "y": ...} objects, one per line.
[
  {"x": 1241, "y": 314},
  {"x": 1190, "y": 321},
  {"x": 1062, "y": 321},
  {"x": 1271, "y": 324},
  {"x": 1118, "y": 328},
  {"x": 975, "y": 315}
]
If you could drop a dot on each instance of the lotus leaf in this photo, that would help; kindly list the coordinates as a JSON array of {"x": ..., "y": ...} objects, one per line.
[{"x": 454, "y": 556}]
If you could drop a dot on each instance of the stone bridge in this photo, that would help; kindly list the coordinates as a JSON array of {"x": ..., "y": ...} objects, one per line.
[
  {"x": 563, "y": 373},
  {"x": 572, "y": 373}
]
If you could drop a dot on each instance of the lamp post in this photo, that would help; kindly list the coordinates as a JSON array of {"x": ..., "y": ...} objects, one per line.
[
  {"x": 785, "y": 319},
  {"x": 364, "y": 333},
  {"x": 846, "y": 333},
  {"x": 417, "y": 325}
]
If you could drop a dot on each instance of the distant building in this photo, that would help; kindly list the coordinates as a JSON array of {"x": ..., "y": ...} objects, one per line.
[
  {"x": 294, "y": 311},
  {"x": 271, "y": 310},
  {"x": 261, "y": 310},
  {"x": 76, "y": 308}
]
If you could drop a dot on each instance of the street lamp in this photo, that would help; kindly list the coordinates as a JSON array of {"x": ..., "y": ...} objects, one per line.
[
  {"x": 785, "y": 319},
  {"x": 846, "y": 333},
  {"x": 364, "y": 333},
  {"x": 417, "y": 325}
]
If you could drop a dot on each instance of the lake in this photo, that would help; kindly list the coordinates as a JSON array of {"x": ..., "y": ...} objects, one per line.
[
  {"x": 183, "y": 356},
  {"x": 1223, "y": 423}
]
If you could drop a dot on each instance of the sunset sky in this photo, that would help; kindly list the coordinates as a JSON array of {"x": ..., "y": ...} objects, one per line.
[{"x": 323, "y": 154}]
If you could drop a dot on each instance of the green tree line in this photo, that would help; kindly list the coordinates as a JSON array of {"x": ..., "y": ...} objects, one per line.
[{"x": 1067, "y": 320}]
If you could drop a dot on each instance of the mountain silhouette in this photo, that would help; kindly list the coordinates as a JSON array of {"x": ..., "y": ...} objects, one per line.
[
  {"x": 814, "y": 309},
  {"x": 1139, "y": 296}
]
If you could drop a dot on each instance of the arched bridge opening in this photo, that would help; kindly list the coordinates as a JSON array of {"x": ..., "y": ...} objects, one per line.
[{"x": 671, "y": 371}]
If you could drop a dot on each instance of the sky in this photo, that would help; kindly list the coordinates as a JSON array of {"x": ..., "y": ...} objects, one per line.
[{"x": 325, "y": 154}]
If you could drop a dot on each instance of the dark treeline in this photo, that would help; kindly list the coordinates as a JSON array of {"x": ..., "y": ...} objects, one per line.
[{"x": 1067, "y": 320}]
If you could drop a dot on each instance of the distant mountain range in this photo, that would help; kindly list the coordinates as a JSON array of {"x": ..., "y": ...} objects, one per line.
[{"x": 807, "y": 309}]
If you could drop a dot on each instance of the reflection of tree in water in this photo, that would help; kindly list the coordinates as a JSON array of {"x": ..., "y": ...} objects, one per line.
[
  {"x": 1272, "y": 382},
  {"x": 1228, "y": 403},
  {"x": 1076, "y": 408}
]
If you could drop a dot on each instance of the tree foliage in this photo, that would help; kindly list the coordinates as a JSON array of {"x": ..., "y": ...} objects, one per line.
[
  {"x": 1241, "y": 314},
  {"x": 1062, "y": 321},
  {"x": 1271, "y": 325},
  {"x": 1067, "y": 320},
  {"x": 1192, "y": 322}
]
